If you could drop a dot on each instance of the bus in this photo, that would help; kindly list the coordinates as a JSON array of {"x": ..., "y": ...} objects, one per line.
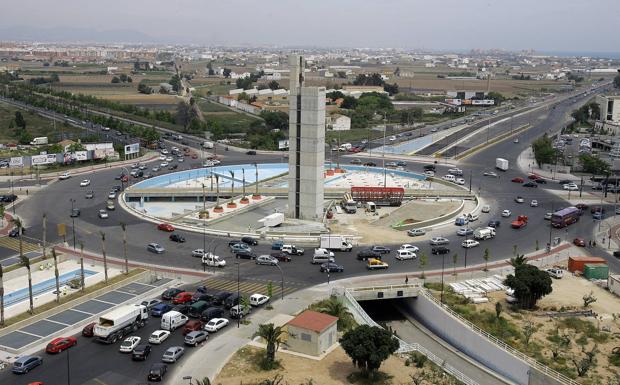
[{"x": 565, "y": 217}]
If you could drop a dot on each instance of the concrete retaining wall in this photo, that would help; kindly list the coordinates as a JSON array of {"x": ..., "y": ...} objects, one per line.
[{"x": 466, "y": 340}]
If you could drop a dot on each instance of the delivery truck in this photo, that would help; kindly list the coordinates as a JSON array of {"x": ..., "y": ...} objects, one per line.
[
  {"x": 501, "y": 164},
  {"x": 39, "y": 141},
  {"x": 272, "y": 220},
  {"x": 483, "y": 233},
  {"x": 120, "y": 322},
  {"x": 335, "y": 242},
  {"x": 207, "y": 145}
]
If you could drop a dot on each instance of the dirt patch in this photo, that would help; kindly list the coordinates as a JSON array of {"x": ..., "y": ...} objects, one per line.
[{"x": 332, "y": 369}]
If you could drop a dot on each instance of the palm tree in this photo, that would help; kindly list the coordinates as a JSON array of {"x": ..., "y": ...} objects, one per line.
[
  {"x": 105, "y": 259},
  {"x": 1, "y": 295},
  {"x": 423, "y": 263},
  {"x": 334, "y": 307},
  {"x": 56, "y": 275},
  {"x": 455, "y": 258},
  {"x": 82, "y": 282},
  {"x": 518, "y": 261},
  {"x": 124, "y": 227},
  {"x": 204, "y": 381},
  {"x": 2, "y": 209},
  {"x": 273, "y": 337},
  {"x": 24, "y": 260},
  {"x": 486, "y": 257}
]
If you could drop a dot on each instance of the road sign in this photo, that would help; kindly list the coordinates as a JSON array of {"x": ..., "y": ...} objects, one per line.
[{"x": 62, "y": 229}]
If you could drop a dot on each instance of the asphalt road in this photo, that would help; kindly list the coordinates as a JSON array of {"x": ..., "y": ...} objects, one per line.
[{"x": 87, "y": 357}]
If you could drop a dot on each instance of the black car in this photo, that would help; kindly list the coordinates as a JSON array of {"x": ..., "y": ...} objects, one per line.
[
  {"x": 220, "y": 297},
  {"x": 530, "y": 184},
  {"x": 173, "y": 167},
  {"x": 331, "y": 267},
  {"x": 244, "y": 254},
  {"x": 440, "y": 250},
  {"x": 381, "y": 249},
  {"x": 157, "y": 372},
  {"x": 494, "y": 224},
  {"x": 366, "y": 254},
  {"x": 617, "y": 254},
  {"x": 370, "y": 164},
  {"x": 249, "y": 241},
  {"x": 177, "y": 238},
  {"x": 9, "y": 198},
  {"x": 282, "y": 257},
  {"x": 232, "y": 300},
  {"x": 75, "y": 213},
  {"x": 117, "y": 188},
  {"x": 141, "y": 352},
  {"x": 182, "y": 308},
  {"x": 232, "y": 243},
  {"x": 251, "y": 152},
  {"x": 170, "y": 293},
  {"x": 429, "y": 167},
  {"x": 14, "y": 233},
  {"x": 540, "y": 181}
]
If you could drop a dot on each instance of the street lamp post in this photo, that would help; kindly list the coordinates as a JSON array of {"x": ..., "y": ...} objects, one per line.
[
  {"x": 204, "y": 227},
  {"x": 238, "y": 292},
  {"x": 466, "y": 249},
  {"x": 443, "y": 259},
  {"x": 68, "y": 368},
  {"x": 72, "y": 221}
]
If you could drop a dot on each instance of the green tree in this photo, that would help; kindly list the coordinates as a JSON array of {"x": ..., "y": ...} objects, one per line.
[
  {"x": 275, "y": 119},
  {"x": 594, "y": 165},
  {"x": 368, "y": 347},
  {"x": 391, "y": 89},
  {"x": 498, "y": 310},
  {"x": 496, "y": 96},
  {"x": 486, "y": 256},
  {"x": 518, "y": 261},
  {"x": 529, "y": 284},
  {"x": 19, "y": 120},
  {"x": 143, "y": 88},
  {"x": 349, "y": 103},
  {"x": 272, "y": 335},
  {"x": 333, "y": 306},
  {"x": 543, "y": 150},
  {"x": 226, "y": 73}
]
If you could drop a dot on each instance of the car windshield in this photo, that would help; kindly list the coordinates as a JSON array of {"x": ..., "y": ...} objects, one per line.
[
  {"x": 126, "y": 343},
  {"x": 169, "y": 353}
]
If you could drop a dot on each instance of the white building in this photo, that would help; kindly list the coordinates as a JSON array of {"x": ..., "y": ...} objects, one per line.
[
  {"x": 338, "y": 122},
  {"x": 610, "y": 108}
]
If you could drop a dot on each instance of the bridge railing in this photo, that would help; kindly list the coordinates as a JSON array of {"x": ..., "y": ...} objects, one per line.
[{"x": 406, "y": 347}]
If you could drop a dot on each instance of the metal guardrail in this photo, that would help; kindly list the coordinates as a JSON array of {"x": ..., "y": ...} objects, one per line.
[
  {"x": 386, "y": 287},
  {"x": 406, "y": 347},
  {"x": 501, "y": 344}
]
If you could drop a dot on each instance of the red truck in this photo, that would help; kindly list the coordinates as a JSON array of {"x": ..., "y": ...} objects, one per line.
[{"x": 520, "y": 222}]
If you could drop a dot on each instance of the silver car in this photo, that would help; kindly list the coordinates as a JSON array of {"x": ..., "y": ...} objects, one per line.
[
  {"x": 266, "y": 260},
  {"x": 196, "y": 337},
  {"x": 155, "y": 248},
  {"x": 416, "y": 232},
  {"x": 171, "y": 355}
]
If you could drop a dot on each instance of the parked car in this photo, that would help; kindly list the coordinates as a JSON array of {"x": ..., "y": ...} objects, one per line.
[
  {"x": 170, "y": 293},
  {"x": 183, "y": 297},
  {"x": 88, "y": 330},
  {"x": 150, "y": 303},
  {"x": 195, "y": 337},
  {"x": 216, "y": 324},
  {"x": 59, "y": 344},
  {"x": 192, "y": 325}
]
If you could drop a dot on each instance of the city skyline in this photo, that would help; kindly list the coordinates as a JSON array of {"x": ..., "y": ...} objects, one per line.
[{"x": 551, "y": 26}]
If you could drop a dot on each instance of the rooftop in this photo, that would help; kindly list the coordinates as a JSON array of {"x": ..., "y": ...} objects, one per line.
[{"x": 313, "y": 320}]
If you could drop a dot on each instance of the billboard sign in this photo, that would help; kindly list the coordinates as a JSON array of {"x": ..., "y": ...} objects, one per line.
[
  {"x": 17, "y": 161},
  {"x": 132, "y": 148},
  {"x": 283, "y": 144},
  {"x": 80, "y": 155},
  {"x": 43, "y": 159}
]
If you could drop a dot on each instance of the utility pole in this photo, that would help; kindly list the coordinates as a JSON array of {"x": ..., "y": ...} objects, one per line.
[
  {"x": 470, "y": 177},
  {"x": 44, "y": 232}
]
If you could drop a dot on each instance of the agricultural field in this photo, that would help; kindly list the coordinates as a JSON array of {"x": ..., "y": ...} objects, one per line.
[{"x": 35, "y": 125}]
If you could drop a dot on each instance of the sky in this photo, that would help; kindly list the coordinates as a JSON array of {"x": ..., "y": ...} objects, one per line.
[{"x": 543, "y": 25}]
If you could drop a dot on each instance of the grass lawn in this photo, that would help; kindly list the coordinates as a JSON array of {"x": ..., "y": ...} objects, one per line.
[
  {"x": 206, "y": 106},
  {"x": 35, "y": 125},
  {"x": 230, "y": 121}
]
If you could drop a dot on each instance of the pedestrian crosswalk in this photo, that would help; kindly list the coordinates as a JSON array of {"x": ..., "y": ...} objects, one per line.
[
  {"x": 249, "y": 286},
  {"x": 13, "y": 244}
]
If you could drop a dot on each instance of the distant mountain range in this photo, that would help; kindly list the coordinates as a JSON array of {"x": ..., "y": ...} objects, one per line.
[{"x": 72, "y": 34}]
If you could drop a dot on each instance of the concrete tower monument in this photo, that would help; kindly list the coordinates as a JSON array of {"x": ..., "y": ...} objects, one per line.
[{"x": 306, "y": 145}]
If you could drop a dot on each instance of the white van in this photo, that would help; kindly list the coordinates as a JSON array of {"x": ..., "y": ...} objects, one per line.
[
  {"x": 322, "y": 256},
  {"x": 449, "y": 178},
  {"x": 173, "y": 320}
]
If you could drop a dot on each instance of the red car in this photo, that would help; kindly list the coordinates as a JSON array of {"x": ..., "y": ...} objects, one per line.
[
  {"x": 183, "y": 297},
  {"x": 124, "y": 178},
  {"x": 165, "y": 227},
  {"x": 192, "y": 326},
  {"x": 579, "y": 242},
  {"x": 517, "y": 180},
  {"x": 533, "y": 176},
  {"x": 88, "y": 330},
  {"x": 59, "y": 344}
]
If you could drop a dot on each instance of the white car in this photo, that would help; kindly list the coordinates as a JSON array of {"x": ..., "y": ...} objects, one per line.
[
  {"x": 180, "y": 160},
  {"x": 169, "y": 159},
  {"x": 490, "y": 173},
  {"x": 486, "y": 209},
  {"x": 416, "y": 232},
  {"x": 103, "y": 214},
  {"x": 460, "y": 181},
  {"x": 112, "y": 195},
  {"x": 429, "y": 173},
  {"x": 548, "y": 216},
  {"x": 65, "y": 176},
  {"x": 164, "y": 151},
  {"x": 519, "y": 200},
  {"x": 163, "y": 164},
  {"x": 469, "y": 243},
  {"x": 85, "y": 182},
  {"x": 571, "y": 187},
  {"x": 408, "y": 247},
  {"x": 216, "y": 324},
  {"x": 392, "y": 138},
  {"x": 402, "y": 255},
  {"x": 258, "y": 299},
  {"x": 534, "y": 203},
  {"x": 438, "y": 241},
  {"x": 159, "y": 336},
  {"x": 129, "y": 344},
  {"x": 506, "y": 213},
  {"x": 162, "y": 157}
]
